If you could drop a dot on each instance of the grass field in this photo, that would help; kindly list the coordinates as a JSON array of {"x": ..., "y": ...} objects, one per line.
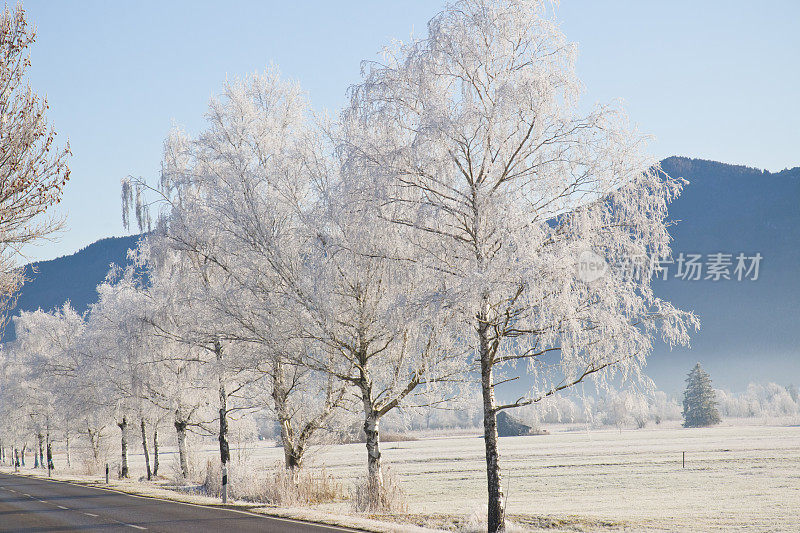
[
  {"x": 736, "y": 477},
  {"x": 741, "y": 477}
]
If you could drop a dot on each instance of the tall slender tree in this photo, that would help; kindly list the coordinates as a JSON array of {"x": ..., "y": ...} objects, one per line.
[
  {"x": 472, "y": 141},
  {"x": 232, "y": 198}
]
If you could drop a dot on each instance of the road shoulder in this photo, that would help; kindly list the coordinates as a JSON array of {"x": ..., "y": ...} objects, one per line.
[{"x": 148, "y": 490}]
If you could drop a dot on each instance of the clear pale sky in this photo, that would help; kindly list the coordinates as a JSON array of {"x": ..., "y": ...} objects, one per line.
[{"x": 711, "y": 79}]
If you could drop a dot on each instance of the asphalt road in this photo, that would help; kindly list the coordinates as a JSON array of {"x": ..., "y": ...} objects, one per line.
[{"x": 34, "y": 505}]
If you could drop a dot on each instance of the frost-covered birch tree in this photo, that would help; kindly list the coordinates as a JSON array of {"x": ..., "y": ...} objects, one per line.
[
  {"x": 473, "y": 141},
  {"x": 179, "y": 311},
  {"x": 118, "y": 341},
  {"x": 376, "y": 313},
  {"x": 206, "y": 185},
  {"x": 46, "y": 348},
  {"x": 310, "y": 273}
]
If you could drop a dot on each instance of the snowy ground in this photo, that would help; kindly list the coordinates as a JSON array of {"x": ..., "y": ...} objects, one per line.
[
  {"x": 735, "y": 477},
  {"x": 741, "y": 477}
]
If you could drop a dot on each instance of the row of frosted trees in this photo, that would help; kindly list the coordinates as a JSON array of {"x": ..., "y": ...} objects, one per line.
[{"x": 426, "y": 239}]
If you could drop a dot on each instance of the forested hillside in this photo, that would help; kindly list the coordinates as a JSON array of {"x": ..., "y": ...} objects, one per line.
[
  {"x": 73, "y": 277},
  {"x": 750, "y": 329}
]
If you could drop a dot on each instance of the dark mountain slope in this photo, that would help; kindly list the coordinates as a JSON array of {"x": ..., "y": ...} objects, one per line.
[
  {"x": 73, "y": 277},
  {"x": 750, "y": 330}
]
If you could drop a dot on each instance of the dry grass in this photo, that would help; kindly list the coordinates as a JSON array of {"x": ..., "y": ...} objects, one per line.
[
  {"x": 374, "y": 497},
  {"x": 92, "y": 467},
  {"x": 275, "y": 486},
  {"x": 360, "y": 438}
]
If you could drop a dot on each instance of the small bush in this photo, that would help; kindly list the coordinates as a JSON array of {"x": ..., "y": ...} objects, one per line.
[
  {"x": 277, "y": 486},
  {"x": 303, "y": 487},
  {"x": 195, "y": 464},
  {"x": 92, "y": 467},
  {"x": 373, "y": 497}
]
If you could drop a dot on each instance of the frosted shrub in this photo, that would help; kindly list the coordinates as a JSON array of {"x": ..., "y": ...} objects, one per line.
[
  {"x": 387, "y": 497},
  {"x": 90, "y": 466},
  {"x": 303, "y": 487},
  {"x": 196, "y": 469},
  {"x": 276, "y": 486}
]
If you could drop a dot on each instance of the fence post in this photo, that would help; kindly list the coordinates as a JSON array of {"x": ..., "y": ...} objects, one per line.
[{"x": 684, "y": 459}]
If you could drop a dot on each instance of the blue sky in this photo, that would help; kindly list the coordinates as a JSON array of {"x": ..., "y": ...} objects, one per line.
[{"x": 710, "y": 79}]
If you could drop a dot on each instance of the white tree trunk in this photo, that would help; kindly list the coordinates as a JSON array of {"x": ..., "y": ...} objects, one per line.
[
  {"x": 94, "y": 440},
  {"x": 40, "y": 458},
  {"x": 224, "y": 449},
  {"x": 145, "y": 450},
  {"x": 155, "y": 450},
  {"x": 123, "y": 426},
  {"x": 371, "y": 422},
  {"x": 293, "y": 455},
  {"x": 180, "y": 427},
  {"x": 496, "y": 518}
]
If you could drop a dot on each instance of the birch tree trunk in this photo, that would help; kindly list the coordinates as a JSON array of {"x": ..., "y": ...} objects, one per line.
[
  {"x": 155, "y": 450},
  {"x": 293, "y": 456},
  {"x": 146, "y": 452},
  {"x": 40, "y": 461},
  {"x": 496, "y": 520},
  {"x": 50, "y": 465},
  {"x": 371, "y": 422},
  {"x": 94, "y": 441},
  {"x": 180, "y": 427},
  {"x": 123, "y": 426},
  {"x": 67, "y": 439},
  {"x": 224, "y": 449}
]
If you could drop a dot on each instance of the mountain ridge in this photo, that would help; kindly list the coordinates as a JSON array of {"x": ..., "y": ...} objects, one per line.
[
  {"x": 72, "y": 277},
  {"x": 750, "y": 329}
]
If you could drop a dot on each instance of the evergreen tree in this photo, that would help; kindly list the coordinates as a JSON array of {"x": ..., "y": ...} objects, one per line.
[{"x": 699, "y": 400}]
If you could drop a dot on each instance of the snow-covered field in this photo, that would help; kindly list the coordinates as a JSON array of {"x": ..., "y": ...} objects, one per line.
[{"x": 736, "y": 477}]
